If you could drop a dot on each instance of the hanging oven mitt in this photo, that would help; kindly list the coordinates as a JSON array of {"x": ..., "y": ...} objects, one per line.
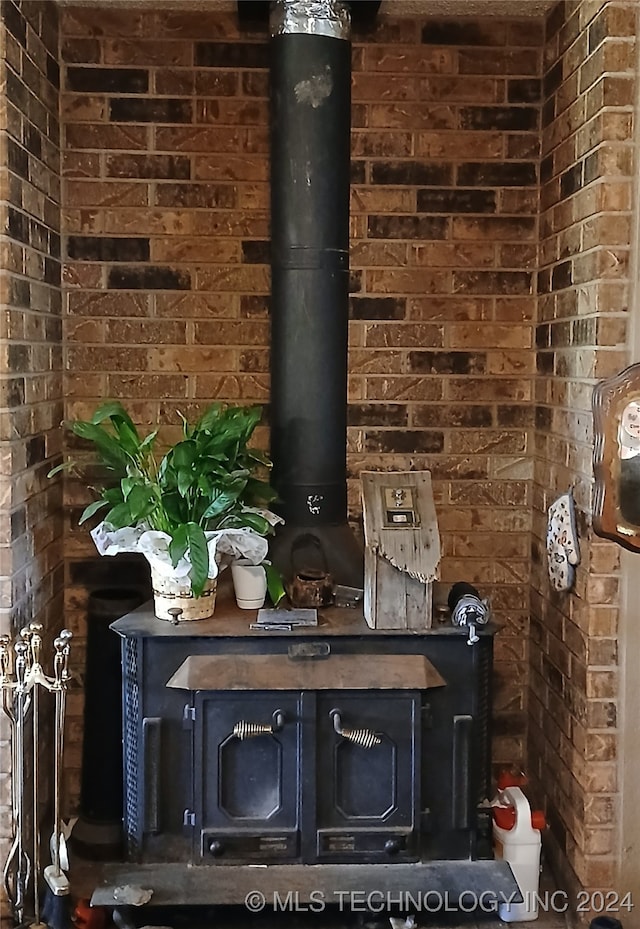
[{"x": 563, "y": 551}]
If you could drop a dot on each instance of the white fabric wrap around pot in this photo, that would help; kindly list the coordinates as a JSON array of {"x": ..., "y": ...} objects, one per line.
[{"x": 225, "y": 545}]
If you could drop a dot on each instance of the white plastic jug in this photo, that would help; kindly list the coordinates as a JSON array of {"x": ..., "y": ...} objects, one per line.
[{"x": 520, "y": 847}]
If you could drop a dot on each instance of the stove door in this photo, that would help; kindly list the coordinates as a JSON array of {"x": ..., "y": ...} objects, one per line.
[
  {"x": 247, "y": 753},
  {"x": 367, "y": 776}
]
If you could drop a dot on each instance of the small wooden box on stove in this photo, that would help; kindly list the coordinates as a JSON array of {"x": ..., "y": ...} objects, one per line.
[{"x": 402, "y": 549}]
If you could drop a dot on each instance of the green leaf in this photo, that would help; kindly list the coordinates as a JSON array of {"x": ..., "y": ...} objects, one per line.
[
  {"x": 127, "y": 484},
  {"x": 147, "y": 442},
  {"x": 256, "y": 522},
  {"x": 141, "y": 501},
  {"x": 108, "y": 449},
  {"x": 199, "y": 557},
  {"x": 120, "y": 516},
  {"x": 258, "y": 492},
  {"x": 222, "y": 501},
  {"x": 127, "y": 435},
  {"x": 229, "y": 521},
  {"x": 248, "y": 417},
  {"x": 186, "y": 479},
  {"x": 183, "y": 455},
  {"x": 178, "y": 544},
  {"x": 186, "y": 431},
  {"x": 65, "y": 466},
  {"x": 274, "y": 583},
  {"x": 205, "y": 485},
  {"x": 88, "y": 511},
  {"x": 213, "y": 457},
  {"x": 209, "y": 418},
  {"x": 113, "y": 495},
  {"x": 260, "y": 457},
  {"x": 109, "y": 410},
  {"x": 174, "y": 507},
  {"x": 167, "y": 477}
]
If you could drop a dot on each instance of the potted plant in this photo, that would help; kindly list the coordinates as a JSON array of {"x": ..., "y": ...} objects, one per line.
[{"x": 205, "y": 500}]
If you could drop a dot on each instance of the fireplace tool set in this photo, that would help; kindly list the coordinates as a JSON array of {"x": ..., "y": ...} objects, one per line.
[{"x": 22, "y": 679}]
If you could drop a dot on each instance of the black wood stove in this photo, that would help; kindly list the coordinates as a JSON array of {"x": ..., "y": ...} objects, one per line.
[{"x": 323, "y": 760}]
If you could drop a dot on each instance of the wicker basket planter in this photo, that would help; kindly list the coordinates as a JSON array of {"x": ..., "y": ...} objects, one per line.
[{"x": 175, "y": 593}]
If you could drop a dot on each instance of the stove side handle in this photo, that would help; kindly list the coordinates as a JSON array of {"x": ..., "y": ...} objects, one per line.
[
  {"x": 461, "y": 771},
  {"x": 151, "y": 753}
]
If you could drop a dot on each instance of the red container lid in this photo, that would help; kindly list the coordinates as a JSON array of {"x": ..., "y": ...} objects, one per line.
[{"x": 505, "y": 818}]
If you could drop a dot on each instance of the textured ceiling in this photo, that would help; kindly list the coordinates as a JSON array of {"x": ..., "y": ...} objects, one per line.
[{"x": 417, "y": 8}]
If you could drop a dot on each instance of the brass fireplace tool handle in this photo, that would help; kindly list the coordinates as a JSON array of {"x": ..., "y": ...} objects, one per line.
[
  {"x": 365, "y": 738},
  {"x": 246, "y": 730}
]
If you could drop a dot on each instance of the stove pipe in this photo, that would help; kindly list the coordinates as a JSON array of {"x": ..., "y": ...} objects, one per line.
[{"x": 310, "y": 173}]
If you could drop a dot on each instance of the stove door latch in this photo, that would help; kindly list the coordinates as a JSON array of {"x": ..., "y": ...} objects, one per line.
[
  {"x": 365, "y": 738},
  {"x": 243, "y": 729}
]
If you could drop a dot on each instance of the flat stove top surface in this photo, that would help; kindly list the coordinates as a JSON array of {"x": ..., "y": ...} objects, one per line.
[{"x": 229, "y": 620}]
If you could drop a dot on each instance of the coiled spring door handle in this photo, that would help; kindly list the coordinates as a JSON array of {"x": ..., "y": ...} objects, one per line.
[
  {"x": 246, "y": 730},
  {"x": 365, "y": 738}
]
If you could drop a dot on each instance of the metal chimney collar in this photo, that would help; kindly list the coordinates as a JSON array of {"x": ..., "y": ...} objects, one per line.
[{"x": 311, "y": 17}]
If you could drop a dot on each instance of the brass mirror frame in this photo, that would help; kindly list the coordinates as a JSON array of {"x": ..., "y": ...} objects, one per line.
[{"x": 610, "y": 399}]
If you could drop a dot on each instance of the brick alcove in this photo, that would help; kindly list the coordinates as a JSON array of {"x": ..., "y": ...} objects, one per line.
[{"x": 491, "y": 213}]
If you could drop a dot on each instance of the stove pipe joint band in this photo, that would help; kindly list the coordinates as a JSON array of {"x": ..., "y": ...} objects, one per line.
[{"x": 310, "y": 17}]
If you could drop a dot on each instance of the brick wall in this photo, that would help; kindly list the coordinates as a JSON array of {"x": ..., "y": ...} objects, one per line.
[
  {"x": 31, "y": 409},
  {"x": 585, "y": 231},
  {"x": 444, "y": 212}
]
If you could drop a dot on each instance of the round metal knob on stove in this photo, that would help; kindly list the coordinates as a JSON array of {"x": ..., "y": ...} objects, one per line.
[
  {"x": 216, "y": 848},
  {"x": 392, "y": 846}
]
